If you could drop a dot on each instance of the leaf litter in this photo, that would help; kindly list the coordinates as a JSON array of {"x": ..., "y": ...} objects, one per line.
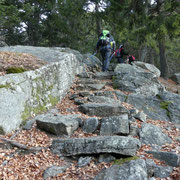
[{"x": 17, "y": 165}]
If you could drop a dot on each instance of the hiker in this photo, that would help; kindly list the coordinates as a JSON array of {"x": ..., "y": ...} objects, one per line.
[
  {"x": 119, "y": 53},
  {"x": 130, "y": 59},
  {"x": 106, "y": 44}
]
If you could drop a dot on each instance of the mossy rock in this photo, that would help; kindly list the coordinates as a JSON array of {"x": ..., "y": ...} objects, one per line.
[
  {"x": 1, "y": 131},
  {"x": 114, "y": 78},
  {"x": 126, "y": 98},
  {"x": 5, "y": 86},
  {"x": 164, "y": 104},
  {"x": 115, "y": 86},
  {"x": 11, "y": 70},
  {"x": 124, "y": 160}
]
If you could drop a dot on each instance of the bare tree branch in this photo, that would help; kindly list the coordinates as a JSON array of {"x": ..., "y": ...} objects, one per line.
[{"x": 21, "y": 146}]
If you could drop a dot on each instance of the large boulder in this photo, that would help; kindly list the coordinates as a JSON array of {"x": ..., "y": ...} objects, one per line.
[
  {"x": 29, "y": 93},
  {"x": 170, "y": 102},
  {"x": 149, "y": 67},
  {"x": 150, "y": 106},
  {"x": 49, "y": 54},
  {"x": 135, "y": 79},
  {"x": 164, "y": 106},
  {"x": 151, "y": 134}
]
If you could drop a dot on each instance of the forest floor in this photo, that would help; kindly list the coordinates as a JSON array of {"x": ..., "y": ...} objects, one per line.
[{"x": 15, "y": 164}]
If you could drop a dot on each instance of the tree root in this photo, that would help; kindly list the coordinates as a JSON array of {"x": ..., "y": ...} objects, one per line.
[
  {"x": 21, "y": 146},
  {"x": 16, "y": 133}
]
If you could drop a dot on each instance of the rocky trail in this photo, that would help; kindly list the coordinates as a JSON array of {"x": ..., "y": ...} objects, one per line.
[{"x": 94, "y": 133}]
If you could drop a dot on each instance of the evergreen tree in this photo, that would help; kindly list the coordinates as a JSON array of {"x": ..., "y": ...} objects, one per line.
[
  {"x": 163, "y": 22},
  {"x": 143, "y": 24},
  {"x": 145, "y": 28},
  {"x": 9, "y": 21}
]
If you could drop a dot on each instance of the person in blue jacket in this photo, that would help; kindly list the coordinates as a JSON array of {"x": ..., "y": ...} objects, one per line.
[{"x": 106, "y": 45}]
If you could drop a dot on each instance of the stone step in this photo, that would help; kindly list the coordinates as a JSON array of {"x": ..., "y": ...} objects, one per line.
[
  {"x": 84, "y": 81},
  {"x": 101, "y": 99},
  {"x": 118, "y": 125},
  {"x": 91, "y": 87},
  {"x": 103, "y": 109},
  {"x": 58, "y": 124},
  {"x": 88, "y": 81},
  {"x": 109, "y": 94},
  {"x": 96, "y": 145},
  {"x": 103, "y": 75},
  {"x": 84, "y": 75},
  {"x": 84, "y": 94}
]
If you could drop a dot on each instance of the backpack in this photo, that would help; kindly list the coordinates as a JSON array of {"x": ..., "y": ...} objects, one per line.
[
  {"x": 118, "y": 52},
  {"x": 104, "y": 39},
  {"x": 132, "y": 58}
]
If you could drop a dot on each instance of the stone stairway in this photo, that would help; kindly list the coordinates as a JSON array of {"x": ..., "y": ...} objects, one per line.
[
  {"x": 106, "y": 121},
  {"x": 106, "y": 117},
  {"x": 99, "y": 114},
  {"x": 95, "y": 126}
]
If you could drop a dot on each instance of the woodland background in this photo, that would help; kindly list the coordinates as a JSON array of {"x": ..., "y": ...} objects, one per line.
[{"x": 150, "y": 30}]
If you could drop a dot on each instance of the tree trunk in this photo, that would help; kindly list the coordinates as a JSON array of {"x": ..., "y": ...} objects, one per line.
[
  {"x": 30, "y": 34},
  {"x": 151, "y": 56},
  {"x": 143, "y": 56},
  {"x": 98, "y": 20},
  {"x": 161, "y": 42},
  {"x": 163, "y": 62}
]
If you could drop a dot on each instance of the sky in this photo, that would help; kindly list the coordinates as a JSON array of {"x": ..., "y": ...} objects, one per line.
[{"x": 91, "y": 6}]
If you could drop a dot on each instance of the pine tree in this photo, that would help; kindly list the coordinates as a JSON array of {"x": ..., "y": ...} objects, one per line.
[{"x": 163, "y": 21}]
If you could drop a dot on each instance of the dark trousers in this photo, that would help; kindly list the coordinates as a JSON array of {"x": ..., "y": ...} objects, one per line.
[
  {"x": 120, "y": 60},
  {"x": 105, "y": 53},
  {"x": 130, "y": 61}
]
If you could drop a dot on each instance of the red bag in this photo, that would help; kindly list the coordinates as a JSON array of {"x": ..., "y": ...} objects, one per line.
[
  {"x": 118, "y": 52},
  {"x": 133, "y": 58}
]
